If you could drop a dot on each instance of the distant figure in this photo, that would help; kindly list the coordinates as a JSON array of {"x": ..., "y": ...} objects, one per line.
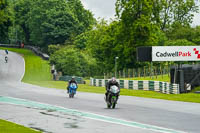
[
  {"x": 22, "y": 45},
  {"x": 52, "y": 69},
  {"x": 6, "y": 51},
  {"x": 6, "y": 59},
  {"x": 54, "y": 75}
]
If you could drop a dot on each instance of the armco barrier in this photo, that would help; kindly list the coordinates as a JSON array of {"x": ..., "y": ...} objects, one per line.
[
  {"x": 163, "y": 87},
  {"x": 79, "y": 80}
]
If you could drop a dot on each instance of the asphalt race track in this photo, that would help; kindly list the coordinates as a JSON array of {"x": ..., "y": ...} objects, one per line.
[{"x": 51, "y": 111}]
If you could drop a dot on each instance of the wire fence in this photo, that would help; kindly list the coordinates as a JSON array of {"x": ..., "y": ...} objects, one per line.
[{"x": 140, "y": 72}]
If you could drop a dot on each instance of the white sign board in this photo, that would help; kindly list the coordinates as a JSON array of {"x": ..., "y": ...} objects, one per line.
[{"x": 176, "y": 53}]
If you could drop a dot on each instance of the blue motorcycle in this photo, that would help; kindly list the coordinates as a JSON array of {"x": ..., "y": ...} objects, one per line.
[{"x": 72, "y": 90}]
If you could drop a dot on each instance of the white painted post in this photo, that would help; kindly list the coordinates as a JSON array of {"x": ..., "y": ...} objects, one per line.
[
  {"x": 126, "y": 84},
  {"x": 146, "y": 85},
  {"x": 135, "y": 85}
]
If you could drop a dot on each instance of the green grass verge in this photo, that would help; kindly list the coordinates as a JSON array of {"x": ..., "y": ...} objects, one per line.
[
  {"x": 38, "y": 73},
  {"x": 164, "y": 78},
  {"x": 9, "y": 127}
]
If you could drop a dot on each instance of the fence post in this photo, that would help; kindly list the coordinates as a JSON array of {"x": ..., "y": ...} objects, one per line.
[
  {"x": 168, "y": 69},
  {"x": 124, "y": 73},
  {"x": 161, "y": 71},
  {"x": 150, "y": 71},
  {"x": 139, "y": 72},
  {"x": 156, "y": 72}
]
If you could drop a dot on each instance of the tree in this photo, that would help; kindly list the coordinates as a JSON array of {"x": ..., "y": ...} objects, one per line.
[
  {"x": 100, "y": 42},
  {"x": 196, "y": 35},
  {"x": 51, "y": 22},
  {"x": 162, "y": 12},
  {"x": 168, "y": 12},
  {"x": 179, "y": 32},
  {"x": 137, "y": 27},
  {"x": 85, "y": 17},
  {"x": 47, "y": 22},
  {"x": 179, "y": 42},
  {"x": 70, "y": 61},
  {"x": 22, "y": 9},
  {"x": 5, "y": 20},
  {"x": 53, "y": 48}
]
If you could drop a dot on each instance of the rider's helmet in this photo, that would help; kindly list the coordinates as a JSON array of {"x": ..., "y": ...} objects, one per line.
[
  {"x": 73, "y": 78},
  {"x": 113, "y": 80}
]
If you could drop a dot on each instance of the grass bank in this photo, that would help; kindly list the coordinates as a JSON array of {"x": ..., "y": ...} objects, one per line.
[
  {"x": 164, "y": 78},
  {"x": 38, "y": 73},
  {"x": 36, "y": 68},
  {"x": 9, "y": 127}
]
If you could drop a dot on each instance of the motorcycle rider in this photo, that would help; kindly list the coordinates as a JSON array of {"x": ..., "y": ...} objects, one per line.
[
  {"x": 110, "y": 83},
  {"x": 6, "y": 51},
  {"x": 71, "y": 81},
  {"x": 6, "y": 57}
]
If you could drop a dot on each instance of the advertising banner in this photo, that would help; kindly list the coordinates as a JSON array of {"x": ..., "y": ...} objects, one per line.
[{"x": 176, "y": 53}]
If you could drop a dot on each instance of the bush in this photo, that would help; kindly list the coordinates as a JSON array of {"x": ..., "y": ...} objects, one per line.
[
  {"x": 179, "y": 42},
  {"x": 53, "y": 48},
  {"x": 71, "y": 61}
]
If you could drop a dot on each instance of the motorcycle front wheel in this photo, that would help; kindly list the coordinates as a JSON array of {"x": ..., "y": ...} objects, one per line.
[
  {"x": 113, "y": 101},
  {"x": 71, "y": 95},
  {"x": 113, "y": 105},
  {"x": 108, "y": 105}
]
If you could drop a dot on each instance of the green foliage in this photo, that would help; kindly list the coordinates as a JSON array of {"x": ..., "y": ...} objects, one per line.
[
  {"x": 22, "y": 9},
  {"x": 196, "y": 40},
  {"x": 184, "y": 33},
  {"x": 5, "y": 20},
  {"x": 84, "y": 17},
  {"x": 196, "y": 35},
  {"x": 104, "y": 44},
  {"x": 51, "y": 22},
  {"x": 72, "y": 62},
  {"x": 81, "y": 40},
  {"x": 180, "y": 42},
  {"x": 47, "y": 22},
  {"x": 162, "y": 12},
  {"x": 53, "y": 48},
  {"x": 137, "y": 28}
]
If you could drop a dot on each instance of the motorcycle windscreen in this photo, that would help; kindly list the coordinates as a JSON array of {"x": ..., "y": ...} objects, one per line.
[{"x": 114, "y": 89}]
